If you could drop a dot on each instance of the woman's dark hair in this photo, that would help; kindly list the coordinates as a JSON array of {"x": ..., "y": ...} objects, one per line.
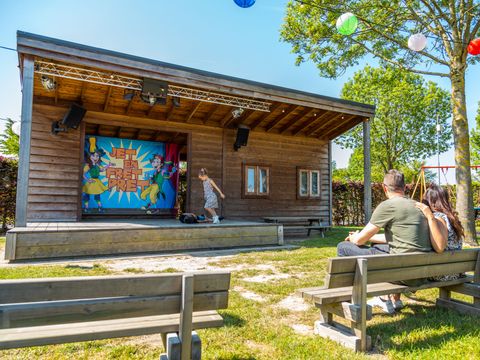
[
  {"x": 203, "y": 172},
  {"x": 437, "y": 198},
  {"x": 100, "y": 153}
]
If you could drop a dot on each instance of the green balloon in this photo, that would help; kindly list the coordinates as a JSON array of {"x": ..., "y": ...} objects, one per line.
[{"x": 347, "y": 24}]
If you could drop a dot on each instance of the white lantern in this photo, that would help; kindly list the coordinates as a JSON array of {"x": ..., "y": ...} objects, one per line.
[
  {"x": 16, "y": 127},
  {"x": 417, "y": 42}
]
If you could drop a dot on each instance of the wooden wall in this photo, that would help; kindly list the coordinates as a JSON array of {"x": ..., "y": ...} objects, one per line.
[
  {"x": 283, "y": 155},
  {"x": 54, "y": 186},
  {"x": 54, "y": 168}
]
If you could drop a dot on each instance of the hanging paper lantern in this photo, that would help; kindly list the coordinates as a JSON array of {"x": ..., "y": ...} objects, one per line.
[
  {"x": 474, "y": 47},
  {"x": 417, "y": 42},
  {"x": 16, "y": 127},
  {"x": 244, "y": 3},
  {"x": 347, "y": 24}
]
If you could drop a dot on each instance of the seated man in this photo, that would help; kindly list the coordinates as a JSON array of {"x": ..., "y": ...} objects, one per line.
[{"x": 406, "y": 230}]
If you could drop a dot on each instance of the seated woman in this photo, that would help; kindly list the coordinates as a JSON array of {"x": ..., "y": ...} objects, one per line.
[{"x": 436, "y": 203}]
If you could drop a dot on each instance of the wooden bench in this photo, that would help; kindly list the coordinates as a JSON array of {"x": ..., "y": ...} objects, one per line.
[
  {"x": 350, "y": 280},
  {"x": 62, "y": 310},
  {"x": 300, "y": 223}
]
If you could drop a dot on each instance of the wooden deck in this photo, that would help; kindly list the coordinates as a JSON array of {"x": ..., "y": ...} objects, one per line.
[{"x": 93, "y": 237}]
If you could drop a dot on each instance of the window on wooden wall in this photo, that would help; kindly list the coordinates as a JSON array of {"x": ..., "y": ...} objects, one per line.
[
  {"x": 256, "y": 181},
  {"x": 308, "y": 183}
]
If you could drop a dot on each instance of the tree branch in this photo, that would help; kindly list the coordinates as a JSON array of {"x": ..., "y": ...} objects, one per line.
[
  {"x": 399, "y": 43},
  {"x": 396, "y": 63}
]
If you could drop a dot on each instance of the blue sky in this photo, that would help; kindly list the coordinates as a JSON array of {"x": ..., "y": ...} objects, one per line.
[{"x": 213, "y": 35}]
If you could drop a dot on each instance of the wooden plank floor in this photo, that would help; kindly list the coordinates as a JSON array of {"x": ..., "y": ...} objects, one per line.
[{"x": 117, "y": 236}]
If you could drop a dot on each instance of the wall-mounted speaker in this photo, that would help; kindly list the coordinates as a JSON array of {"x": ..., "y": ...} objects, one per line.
[
  {"x": 71, "y": 120},
  {"x": 74, "y": 116},
  {"x": 242, "y": 137}
]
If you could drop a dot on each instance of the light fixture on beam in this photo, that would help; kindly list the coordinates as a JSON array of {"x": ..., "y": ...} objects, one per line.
[
  {"x": 154, "y": 92},
  {"x": 236, "y": 113},
  {"x": 176, "y": 101},
  {"x": 48, "y": 83},
  {"x": 126, "y": 82}
]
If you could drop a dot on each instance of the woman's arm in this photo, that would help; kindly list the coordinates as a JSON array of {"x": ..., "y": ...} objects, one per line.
[
  {"x": 217, "y": 188},
  {"x": 438, "y": 229}
]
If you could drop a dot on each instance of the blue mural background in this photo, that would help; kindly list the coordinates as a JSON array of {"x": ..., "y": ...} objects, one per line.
[{"x": 113, "y": 169}]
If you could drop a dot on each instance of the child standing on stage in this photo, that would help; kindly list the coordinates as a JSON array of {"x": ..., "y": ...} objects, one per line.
[{"x": 211, "y": 201}]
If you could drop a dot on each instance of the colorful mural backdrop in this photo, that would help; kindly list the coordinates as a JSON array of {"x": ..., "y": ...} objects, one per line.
[{"x": 129, "y": 174}]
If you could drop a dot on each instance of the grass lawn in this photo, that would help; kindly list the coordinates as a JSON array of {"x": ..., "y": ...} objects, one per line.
[{"x": 258, "y": 327}]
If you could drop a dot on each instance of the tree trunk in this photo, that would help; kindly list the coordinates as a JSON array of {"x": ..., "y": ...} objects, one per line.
[{"x": 462, "y": 153}]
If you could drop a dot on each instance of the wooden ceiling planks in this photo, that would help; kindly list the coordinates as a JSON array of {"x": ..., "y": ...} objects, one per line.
[
  {"x": 109, "y": 99},
  {"x": 285, "y": 114}
]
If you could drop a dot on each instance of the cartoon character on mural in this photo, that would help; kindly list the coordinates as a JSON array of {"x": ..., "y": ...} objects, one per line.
[
  {"x": 91, "y": 175},
  {"x": 162, "y": 171}
]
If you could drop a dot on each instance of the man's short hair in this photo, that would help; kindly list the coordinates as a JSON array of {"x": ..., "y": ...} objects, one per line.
[{"x": 394, "y": 181}]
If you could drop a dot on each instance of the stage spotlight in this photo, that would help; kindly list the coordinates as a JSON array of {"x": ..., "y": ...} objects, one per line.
[
  {"x": 236, "y": 113},
  {"x": 176, "y": 101},
  {"x": 48, "y": 83},
  {"x": 128, "y": 95}
]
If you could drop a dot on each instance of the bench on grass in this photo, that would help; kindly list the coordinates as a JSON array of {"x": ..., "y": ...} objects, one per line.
[
  {"x": 62, "y": 310},
  {"x": 300, "y": 223},
  {"x": 350, "y": 280}
]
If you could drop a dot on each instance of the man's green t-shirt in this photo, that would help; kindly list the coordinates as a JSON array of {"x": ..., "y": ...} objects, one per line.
[{"x": 406, "y": 228}]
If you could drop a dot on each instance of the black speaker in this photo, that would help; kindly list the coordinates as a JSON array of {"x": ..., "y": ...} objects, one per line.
[
  {"x": 74, "y": 116},
  {"x": 242, "y": 137}
]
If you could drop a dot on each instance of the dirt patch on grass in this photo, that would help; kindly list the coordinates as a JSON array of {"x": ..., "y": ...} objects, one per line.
[
  {"x": 266, "y": 278},
  {"x": 249, "y": 295},
  {"x": 293, "y": 303}
]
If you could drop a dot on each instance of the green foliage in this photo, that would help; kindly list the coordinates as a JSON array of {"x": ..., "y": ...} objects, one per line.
[
  {"x": 475, "y": 140},
  {"x": 8, "y": 186},
  {"x": 384, "y": 29},
  {"x": 9, "y": 144},
  {"x": 403, "y": 129}
]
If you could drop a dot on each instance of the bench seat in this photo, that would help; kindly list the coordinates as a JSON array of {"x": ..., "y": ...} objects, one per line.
[
  {"x": 323, "y": 296},
  {"x": 104, "y": 329}
]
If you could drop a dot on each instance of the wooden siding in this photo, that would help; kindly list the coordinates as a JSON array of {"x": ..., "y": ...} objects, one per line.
[
  {"x": 283, "y": 155},
  {"x": 54, "y": 187}
]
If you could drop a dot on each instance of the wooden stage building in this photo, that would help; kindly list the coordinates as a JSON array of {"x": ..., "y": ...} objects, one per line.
[{"x": 267, "y": 147}]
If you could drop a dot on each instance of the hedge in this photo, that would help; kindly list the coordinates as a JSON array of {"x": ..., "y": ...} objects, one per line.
[
  {"x": 8, "y": 185},
  {"x": 347, "y": 199}
]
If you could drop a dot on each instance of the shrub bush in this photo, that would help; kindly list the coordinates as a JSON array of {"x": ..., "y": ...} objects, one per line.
[{"x": 8, "y": 186}]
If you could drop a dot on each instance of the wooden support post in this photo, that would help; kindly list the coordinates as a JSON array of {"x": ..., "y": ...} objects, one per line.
[
  {"x": 330, "y": 189},
  {"x": 476, "y": 280},
  {"x": 367, "y": 172},
  {"x": 359, "y": 298},
  {"x": 25, "y": 140},
  {"x": 186, "y": 312}
]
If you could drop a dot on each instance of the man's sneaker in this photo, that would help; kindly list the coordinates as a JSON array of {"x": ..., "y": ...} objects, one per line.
[
  {"x": 397, "y": 305},
  {"x": 385, "y": 305}
]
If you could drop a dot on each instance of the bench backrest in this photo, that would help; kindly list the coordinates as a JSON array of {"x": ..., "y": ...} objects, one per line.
[
  {"x": 29, "y": 302},
  {"x": 400, "y": 267}
]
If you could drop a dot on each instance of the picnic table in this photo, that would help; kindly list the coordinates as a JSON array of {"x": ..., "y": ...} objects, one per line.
[{"x": 308, "y": 223}]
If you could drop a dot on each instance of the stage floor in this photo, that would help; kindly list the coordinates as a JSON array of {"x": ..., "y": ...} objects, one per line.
[{"x": 126, "y": 236}]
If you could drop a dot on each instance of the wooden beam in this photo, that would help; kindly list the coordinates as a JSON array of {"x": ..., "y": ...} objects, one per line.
[
  {"x": 82, "y": 93},
  {"x": 170, "y": 112},
  {"x": 107, "y": 98},
  {"x": 257, "y": 122},
  {"x": 226, "y": 119},
  {"x": 324, "y": 125},
  {"x": 57, "y": 84},
  {"x": 194, "y": 110},
  {"x": 305, "y": 114},
  {"x": 344, "y": 121},
  {"x": 25, "y": 141},
  {"x": 150, "y": 111},
  {"x": 186, "y": 313},
  {"x": 341, "y": 129},
  {"x": 154, "y": 135},
  {"x": 129, "y": 106},
  {"x": 119, "y": 131},
  {"x": 315, "y": 121},
  {"x": 282, "y": 116},
  {"x": 209, "y": 116}
]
